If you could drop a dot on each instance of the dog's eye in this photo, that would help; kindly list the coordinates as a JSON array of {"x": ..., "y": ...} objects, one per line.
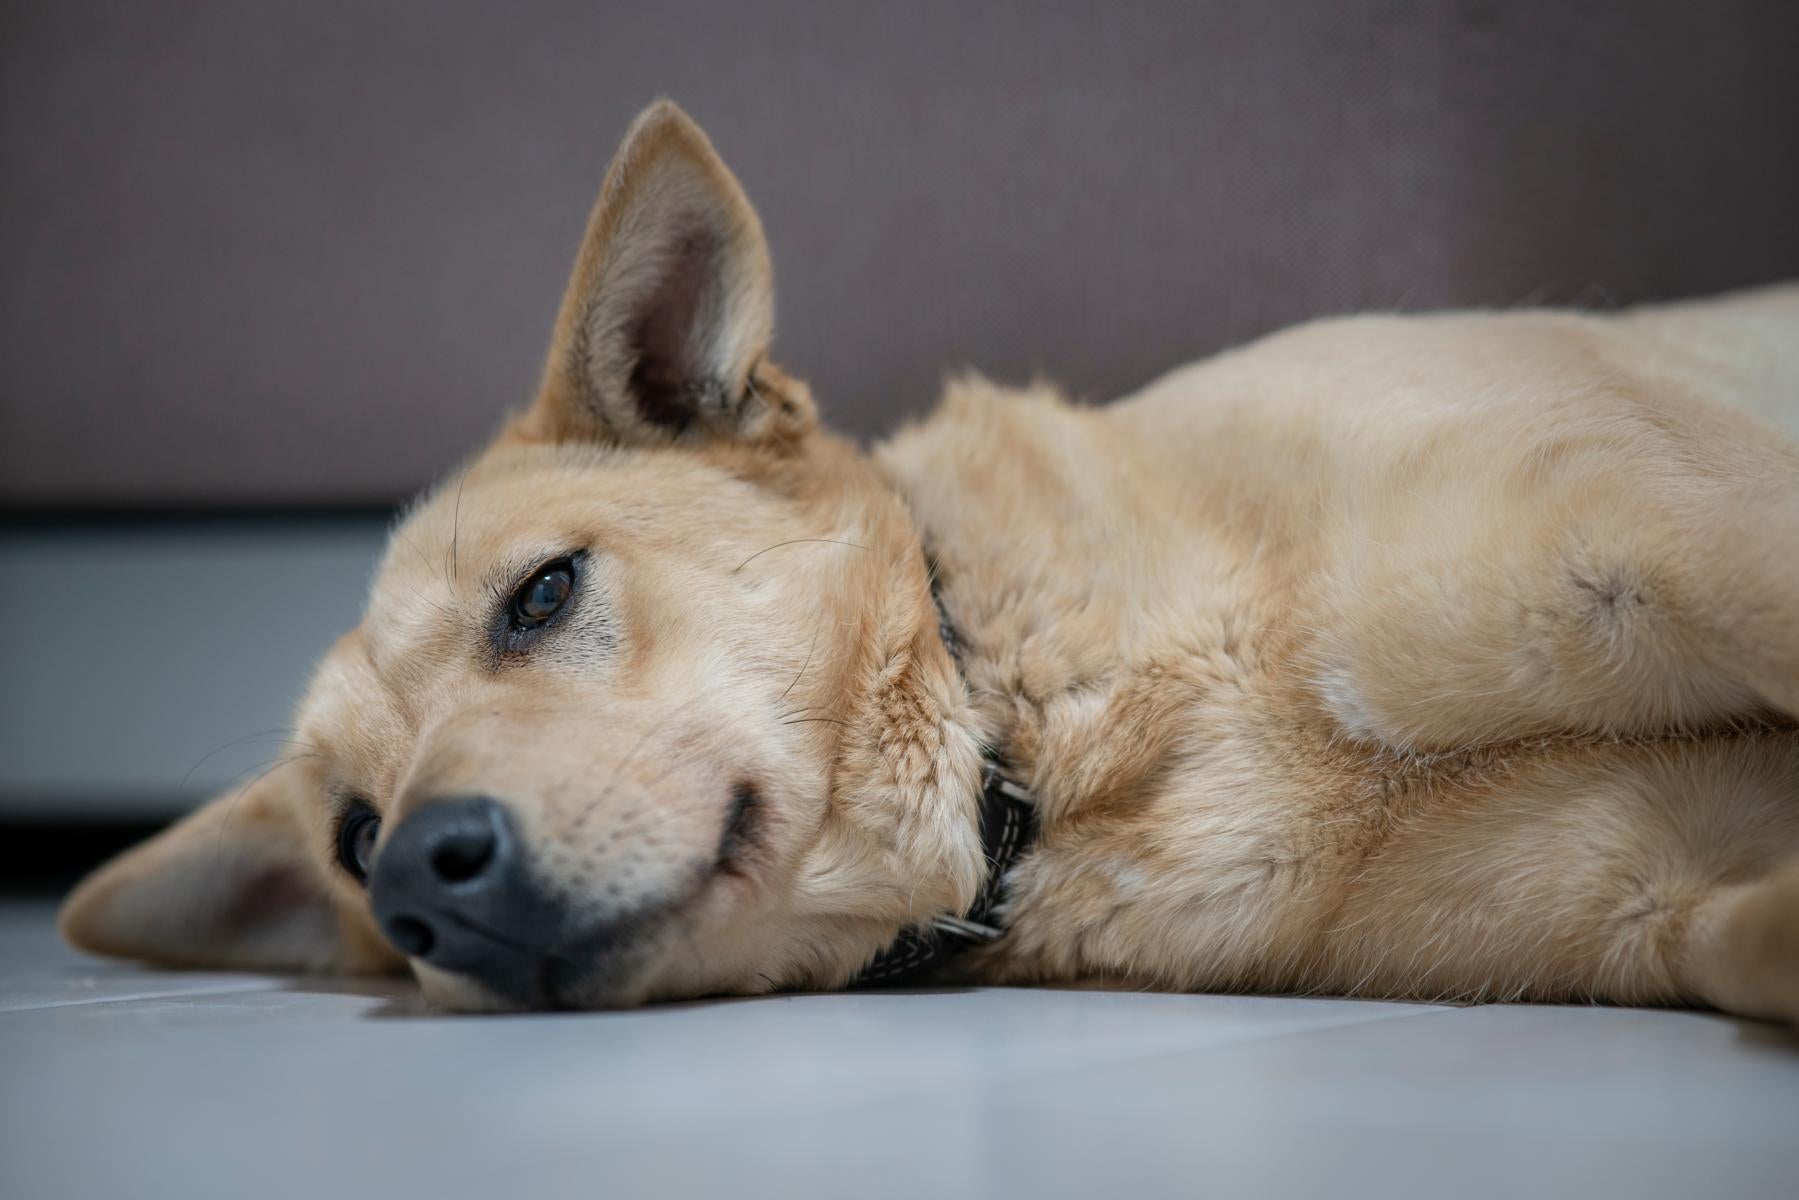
[
  {"x": 356, "y": 839},
  {"x": 539, "y": 597}
]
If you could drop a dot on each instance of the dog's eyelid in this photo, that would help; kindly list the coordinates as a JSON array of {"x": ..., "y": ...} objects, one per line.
[
  {"x": 344, "y": 799},
  {"x": 504, "y": 581},
  {"x": 513, "y": 628}
]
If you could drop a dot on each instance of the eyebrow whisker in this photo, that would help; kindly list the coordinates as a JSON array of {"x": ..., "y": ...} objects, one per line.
[
  {"x": 456, "y": 530},
  {"x": 277, "y": 735},
  {"x": 794, "y": 542}
]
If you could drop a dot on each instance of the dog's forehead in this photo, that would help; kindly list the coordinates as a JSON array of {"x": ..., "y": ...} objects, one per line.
[
  {"x": 461, "y": 542},
  {"x": 496, "y": 501},
  {"x": 517, "y": 500},
  {"x": 462, "y": 548},
  {"x": 518, "y": 495}
]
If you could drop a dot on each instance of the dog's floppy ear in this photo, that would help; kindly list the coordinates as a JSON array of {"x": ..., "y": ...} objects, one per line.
[
  {"x": 669, "y": 312},
  {"x": 228, "y": 886}
]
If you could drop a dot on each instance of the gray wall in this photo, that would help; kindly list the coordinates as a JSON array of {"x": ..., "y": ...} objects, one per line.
[
  {"x": 305, "y": 253},
  {"x": 149, "y": 666}
]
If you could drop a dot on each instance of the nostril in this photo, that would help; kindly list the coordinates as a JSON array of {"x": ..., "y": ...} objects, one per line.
[
  {"x": 446, "y": 878},
  {"x": 462, "y": 854},
  {"x": 411, "y": 936}
]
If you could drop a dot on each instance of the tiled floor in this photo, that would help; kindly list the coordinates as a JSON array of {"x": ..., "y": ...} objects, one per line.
[{"x": 118, "y": 1081}]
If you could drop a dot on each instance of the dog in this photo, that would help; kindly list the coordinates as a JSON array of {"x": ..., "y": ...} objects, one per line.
[{"x": 1438, "y": 657}]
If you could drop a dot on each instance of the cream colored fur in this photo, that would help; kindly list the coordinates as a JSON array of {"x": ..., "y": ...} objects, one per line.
[{"x": 1448, "y": 656}]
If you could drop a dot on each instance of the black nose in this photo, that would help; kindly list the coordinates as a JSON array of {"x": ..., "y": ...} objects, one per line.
[{"x": 450, "y": 888}]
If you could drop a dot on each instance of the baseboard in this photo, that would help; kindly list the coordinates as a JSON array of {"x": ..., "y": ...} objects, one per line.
[
  {"x": 48, "y": 860},
  {"x": 153, "y": 661}
]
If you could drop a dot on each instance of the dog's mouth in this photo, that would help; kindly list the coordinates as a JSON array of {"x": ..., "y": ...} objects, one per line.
[
  {"x": 556, "y": 979},
  {"x": 742, "y": 822},
  {"x": 586, "y": 969},
  {"x": 570, "y": 978}
]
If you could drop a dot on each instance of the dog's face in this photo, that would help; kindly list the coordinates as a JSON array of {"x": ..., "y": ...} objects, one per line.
[{"x": 648, "y": 700}]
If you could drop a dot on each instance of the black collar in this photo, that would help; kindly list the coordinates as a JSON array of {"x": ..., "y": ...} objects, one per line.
[{"x": 1008, "y": 828}]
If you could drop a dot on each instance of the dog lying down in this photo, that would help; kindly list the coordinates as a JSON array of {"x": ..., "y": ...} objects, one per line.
[{"x": 1450, "y": 656}]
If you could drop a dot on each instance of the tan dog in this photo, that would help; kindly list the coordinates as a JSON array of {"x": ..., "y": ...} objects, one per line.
[{"x": 1445, "y": 657}]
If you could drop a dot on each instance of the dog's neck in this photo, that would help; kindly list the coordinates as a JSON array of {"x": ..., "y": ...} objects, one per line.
[
  {"x": 1008, "y": 826},
  {"x": 900, "y": 844}
]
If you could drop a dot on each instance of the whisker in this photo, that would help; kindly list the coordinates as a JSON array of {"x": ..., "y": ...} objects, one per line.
[
  {"x": 402, "y": 535},
  {"x": 794, "y": 542},
  {"x": 804, "y": 665},
  {"x": 456, "y": 529},
  {"x": 237, "y": 798},
  {"x": 622, "y": 764},
  {"x": 248, "y": 737}
]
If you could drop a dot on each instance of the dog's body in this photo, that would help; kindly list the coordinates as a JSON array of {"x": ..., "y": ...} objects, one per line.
[
  {"x": 1448, "y": 656},
  {"x": 1392, "y": 656}
]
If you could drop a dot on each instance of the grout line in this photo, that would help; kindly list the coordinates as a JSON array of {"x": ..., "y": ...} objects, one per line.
[{"x": 88, "y": 1001}]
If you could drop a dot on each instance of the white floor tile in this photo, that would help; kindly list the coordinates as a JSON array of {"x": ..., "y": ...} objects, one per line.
[
  {"x": 1478, "y": 1102},
  {"x": 240, "y": 1085}
]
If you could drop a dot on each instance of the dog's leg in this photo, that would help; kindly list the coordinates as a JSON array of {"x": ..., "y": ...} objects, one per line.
[
  {"x": 1641, "y": 874},
  {"x": 1742, "y": 351},
  {"x": 1744, "y": 955},
  {"x": 1613, "y": 576}
]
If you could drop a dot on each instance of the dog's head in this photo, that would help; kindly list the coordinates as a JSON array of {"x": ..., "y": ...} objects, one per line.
[{"x": 648, "y": 701}]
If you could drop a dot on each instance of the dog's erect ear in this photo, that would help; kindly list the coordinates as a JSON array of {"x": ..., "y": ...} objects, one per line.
[
  {"x": 228, "y": 886},
  {"x": 670, "y": 309}
]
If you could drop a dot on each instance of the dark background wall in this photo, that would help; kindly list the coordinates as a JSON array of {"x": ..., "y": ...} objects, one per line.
[
  {"x": 293, "y": 258},
  {"x": 305, "y": 253}
]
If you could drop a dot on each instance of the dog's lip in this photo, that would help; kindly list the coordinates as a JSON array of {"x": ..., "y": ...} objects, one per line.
[
  {"x": 608, "y": 957},
  {"x": 742, "y": 822},
  {"x": 558, "y": 976},
  {"x": 550, "y": 993}
]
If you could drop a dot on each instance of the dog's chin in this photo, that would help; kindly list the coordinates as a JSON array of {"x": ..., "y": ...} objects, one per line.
[
  {"x": 450, "y": 992},
  {"x": 579, "y": 977},
  {"x": 562, "y": 986}
]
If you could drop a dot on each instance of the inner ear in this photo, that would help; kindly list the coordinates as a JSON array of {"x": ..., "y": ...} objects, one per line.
[{"x": 670, "y": 381}]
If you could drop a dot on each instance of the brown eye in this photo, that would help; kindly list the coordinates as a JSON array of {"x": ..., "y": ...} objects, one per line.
[
  {"x": 541, "y": 596},
  {"x": 356, "y": 835}
]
